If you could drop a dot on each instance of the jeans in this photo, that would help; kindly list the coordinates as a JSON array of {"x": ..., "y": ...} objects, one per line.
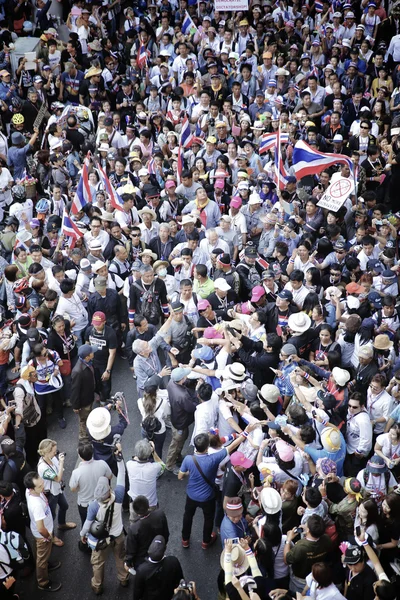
[
  {"x": 179, "y": 438},
  {"x": 353, "y": 464},
  {"x": 208, "y": 509},
  {"x": 62, "y": 503},
  {"x": 80, "y": 339},
  {"x": 82, "y": 513}
]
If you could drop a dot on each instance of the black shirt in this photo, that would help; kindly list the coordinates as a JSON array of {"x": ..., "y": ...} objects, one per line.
[
  {"x": 141, "y": 533},
  {"x": 76, "y": 138},
  {"x": 360, "y": 585},
  {"x": 157, "y": 581},
  {"x": 105, "y": 340}
]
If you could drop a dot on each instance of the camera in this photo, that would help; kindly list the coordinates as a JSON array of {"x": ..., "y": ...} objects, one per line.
[
  {"x": 212, "y": 122},
  {"x": 118, "y": 396},
  {"x": 187, "y": 586}
]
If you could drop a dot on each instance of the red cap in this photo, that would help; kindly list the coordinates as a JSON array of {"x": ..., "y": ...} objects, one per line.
[{"x": 98, "y": 318}]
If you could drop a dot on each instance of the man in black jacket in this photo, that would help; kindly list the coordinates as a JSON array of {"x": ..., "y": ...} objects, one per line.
[
  {"x": 183, "y": 402},
  {"x": 259, "y": 358},
  {"x": 278, "y": 312},
  {"x": 143, "y": 531},
  {"x": 83, "y": 387},
  {"x": 148, "y": 296},
  {"x": 159, "y": 575}
]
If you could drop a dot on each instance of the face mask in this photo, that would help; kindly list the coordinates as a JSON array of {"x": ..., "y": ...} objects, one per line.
[{"x": 162, "y": 272}]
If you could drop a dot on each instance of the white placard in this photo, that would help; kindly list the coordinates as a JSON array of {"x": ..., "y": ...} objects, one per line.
[
  {"x": 233, "y": 5},
  {"x": 337, "y": 194},
  {"x": 30, "y": 61}
]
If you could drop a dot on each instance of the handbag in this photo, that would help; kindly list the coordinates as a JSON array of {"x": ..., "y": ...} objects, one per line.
[
  {"x": 65, "y": 369},
  {"x": 100, "y": 530},
  {"x": 213, "y": 486}
]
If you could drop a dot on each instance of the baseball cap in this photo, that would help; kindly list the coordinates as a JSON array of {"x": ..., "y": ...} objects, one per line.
[
  {"x": 179, "y": 373},
  {"x": 374, "y": 265},
  {"x": 203, "y": 353},
  {"x": 222, "y": 285},
  {"x": 203, "y": 304},
  {"x": 98, "y": 318},
  {"x": 286, "y": 295},
  {"x": 238, "y": 459},
  {"x": 353, "y": 555},
  {"x": 257, "y": 292},
  {"x": 236, "y": 202}
]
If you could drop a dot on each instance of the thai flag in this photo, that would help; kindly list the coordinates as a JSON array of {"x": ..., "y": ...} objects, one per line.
[
  {"x": 69, "y": 229},
  {"x": 281, "y": 175},
  {"x": 83, "y": 194},
  {"x": 188, "y": 26},
  {"x": 180, "y": 164},
  {"x": 318, "y": 6},
  {"x": 314, "y": 71},
  {"x": 268, "y": 141},
  {"x": 142, "y": 56},
  {"x": 186, "y": 135},
  {"x": 151, "y": 166},
  {"x": 115, "y": 199},
  {"x": 307, "y": 161}
]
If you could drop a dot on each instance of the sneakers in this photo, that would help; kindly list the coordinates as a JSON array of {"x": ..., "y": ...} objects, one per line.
[
  {"x": 174, "y": 470},
  {"x": 185, "y": 543},
  {"x": 52, "y": 586},
  {"x": 62, "y": 423},
  {"x": 53, "y": 565},
  {"x": 67, "y": 526},
  {"x": 97, "y": 591},
  {"x": 206, "y": 545}
]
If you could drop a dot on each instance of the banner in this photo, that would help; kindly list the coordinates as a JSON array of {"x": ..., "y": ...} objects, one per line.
[
  {"x": 337, "y": 194},
  {"x": 234, "y": 5}
]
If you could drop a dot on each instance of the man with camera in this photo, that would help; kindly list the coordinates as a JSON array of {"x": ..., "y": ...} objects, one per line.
[
  {"x": 103, "y": 436},
  {"x": 103, "y": 529},
  {"x": 83, "y": 387}
]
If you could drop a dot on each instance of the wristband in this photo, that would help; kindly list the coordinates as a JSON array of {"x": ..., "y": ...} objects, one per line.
[
  {"x": 245, "y": 434},
  {"x": 364, "y": 543},
  {"x": 249, "y": 552},
  {"x": 227, "y": 557},
  {"x": 306, "y": 376},
  {"x": 291, "y": 260}
]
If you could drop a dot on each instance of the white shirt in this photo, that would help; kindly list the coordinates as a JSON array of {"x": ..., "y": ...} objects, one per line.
[
  {"x": 205, "y": 416},
  {"x": 75, "y": 310},
  {"x": 208, "y": 248},
  {"x": 363, "y": 258},
  {"x": 102, "y": 237},
  {"x": 143, "y": 480},
  {"x": 111, "y": 284},
  {"x": 359, "y": 433},
  {"x": 388, "y": 448},
  {"x": 39, "y": 510},
  {"x": 394, "y": 49},
  {"x": 379, "y": 406},
  {"x": 298, "y": 295},
  {"x": 125, "y": 219},
  {"x": 149, "y": 234},
  {"x": 163, "y": 408},
  {"x": 327, "y": 593}
]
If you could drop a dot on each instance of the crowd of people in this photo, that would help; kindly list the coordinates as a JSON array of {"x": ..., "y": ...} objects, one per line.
[{"x": 165, "y": 205}]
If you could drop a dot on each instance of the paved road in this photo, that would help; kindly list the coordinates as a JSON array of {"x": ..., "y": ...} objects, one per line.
[{"x": 75, "y": 573}]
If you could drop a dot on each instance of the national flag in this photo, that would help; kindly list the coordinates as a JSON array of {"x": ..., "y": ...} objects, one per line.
[
  {"x": 307, "y": 161},
  {"x": 180, "y": 165},
  {"x": 142, "y": 56},
  {"x": 318, "y": 6},
  {"x": 188, "y": 25},
  {"x": 115, "y": 198},
  {"x": 83, "y": 194},
  {"x": 151, "y": 166},
  {"x": 186, "y": 134},
  {"x": 314, "y": 71},
  {"x": 268, "y": 141},
  {"x": 280, "y": 176},
  {"x": 69, "y": 229}
]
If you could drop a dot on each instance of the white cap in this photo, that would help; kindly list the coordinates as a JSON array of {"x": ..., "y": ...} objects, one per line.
[{"x": 221, "y": 284}]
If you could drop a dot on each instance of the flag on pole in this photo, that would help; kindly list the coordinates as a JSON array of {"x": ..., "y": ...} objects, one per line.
[
  {"x": 180, "y": 164},
  {"x": 188, "y": 25},
  {"x": 186, "y": 135},
  {"x": 151, "y": 166},
  {"x": 268, "y": 141},
  {"x": 83, "y": 194},
  {"x": 318, "y": 6},
  {"x": 281, "y": 175},
  {"x": 142, "y": 56},
  {"x": 115, "y": 198},
  {"x": 307, "y": 161},
  {"x": 69, "y": 229}
]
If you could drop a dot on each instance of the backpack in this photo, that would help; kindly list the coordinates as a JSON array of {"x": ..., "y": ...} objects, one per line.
[
  {"x": 16, "y": 549},
  {"x": 29, "y": 411},
  {"x": 152, "y": 424},
  {"x": 151, "y": 308}
]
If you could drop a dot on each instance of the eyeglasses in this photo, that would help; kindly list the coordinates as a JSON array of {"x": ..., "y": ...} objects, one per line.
[{"x": 136, "y": 235}]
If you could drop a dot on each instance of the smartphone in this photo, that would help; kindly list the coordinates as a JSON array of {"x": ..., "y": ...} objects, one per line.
[
  {"x": 358, "y": 530},
  {"x": 234, "y": 540},
  {"x": 314, "y": 413}
]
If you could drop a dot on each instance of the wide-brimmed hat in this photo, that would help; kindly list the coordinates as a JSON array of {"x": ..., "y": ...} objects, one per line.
[
  {"x": 330, "y": 439},
  {"x": 99, "y": 423},
  {"x": 160, "y": 263},
  {"x": 92, "y": 72},
  {"x": 235, "y": 372},
  {"x": 149, "y": 211},
  {"x": 341, "y": 376},
  {"x": 269, "y": 393},
  {"x": 148, "y": 252},
  {"x": 382, "y": 342},
  {"x": 271, "y": 501},
  {"x": 239, "y": 560},
  {"x": 299, "y": 322}
]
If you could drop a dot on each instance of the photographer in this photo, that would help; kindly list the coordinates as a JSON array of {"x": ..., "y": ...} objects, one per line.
[
  {"x": 102, "y": 434},
  {"x": 51, "y": 469},
  {"x": 143, "y": 471},
  {"x": 103, "y": 529}
]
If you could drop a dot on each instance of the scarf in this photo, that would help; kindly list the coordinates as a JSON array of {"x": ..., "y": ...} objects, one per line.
[{"x": 203, "y": 214}]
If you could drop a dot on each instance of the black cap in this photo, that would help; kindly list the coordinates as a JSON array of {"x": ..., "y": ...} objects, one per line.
[
  {"x": 177, "y": 306},
  {"x": 108, "y": 121},
  {"x": 251, "y": 252},
  {"x": 156, "y": 549}
]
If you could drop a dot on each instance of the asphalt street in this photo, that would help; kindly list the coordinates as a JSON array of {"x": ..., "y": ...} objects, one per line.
[{"x": 75, "y": 572}]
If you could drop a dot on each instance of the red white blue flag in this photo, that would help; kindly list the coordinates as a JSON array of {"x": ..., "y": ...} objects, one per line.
[
  {"x": 83, "y": 194},
  {"x": 115, "y": 198},
  {"x": 281, "y": 174},
  {"x": 186, "y": 135},
  {"x": 268, "y": 141},
  {"x": 69, "y": 229},
  {"x": 142, "y": 56},
  {"x": 307, "y": 161}
]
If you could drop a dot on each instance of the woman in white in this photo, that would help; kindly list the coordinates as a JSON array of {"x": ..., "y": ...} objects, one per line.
[
  {"x": 300, "y": 259},
  {"x": 319, "y": 584},
  {"x": 387, "y": 446},
  {"x": 154, "y": 405},
  {"x": 367, "y": 516},
  {"x": 51, "y": 469},
  {"x": 6, "y": 183}
]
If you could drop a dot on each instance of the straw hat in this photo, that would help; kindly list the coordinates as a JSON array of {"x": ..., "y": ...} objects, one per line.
[{"x": 382, "y": 342}]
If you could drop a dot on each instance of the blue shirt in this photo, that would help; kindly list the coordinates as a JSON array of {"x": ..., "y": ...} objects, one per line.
[
  {"x": 17, "y": 159},
  {"x": 338, "y": 456},
  {"x": 229, "y": 530},
  {"x": 197, "y": 489}
]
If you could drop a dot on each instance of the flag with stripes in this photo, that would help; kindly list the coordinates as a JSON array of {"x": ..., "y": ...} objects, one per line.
[
  {"x": 188, "y": 27},
  {"x": 83, "y": 194},
  {"x": 180, "y": 164},
  {"x": 186, "y": 134},
  {"x": 318, "y": 6},
  {"x": 307, "y": 161},
  {"x": 268, "y": 141},
  {"x": 115, "y": 198},
  {"x": 69, "y": 229},
  {"x": 151, "y": 166},
  {"x": 142, "y": 56},
  {"x": 281, "y": 175}
]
